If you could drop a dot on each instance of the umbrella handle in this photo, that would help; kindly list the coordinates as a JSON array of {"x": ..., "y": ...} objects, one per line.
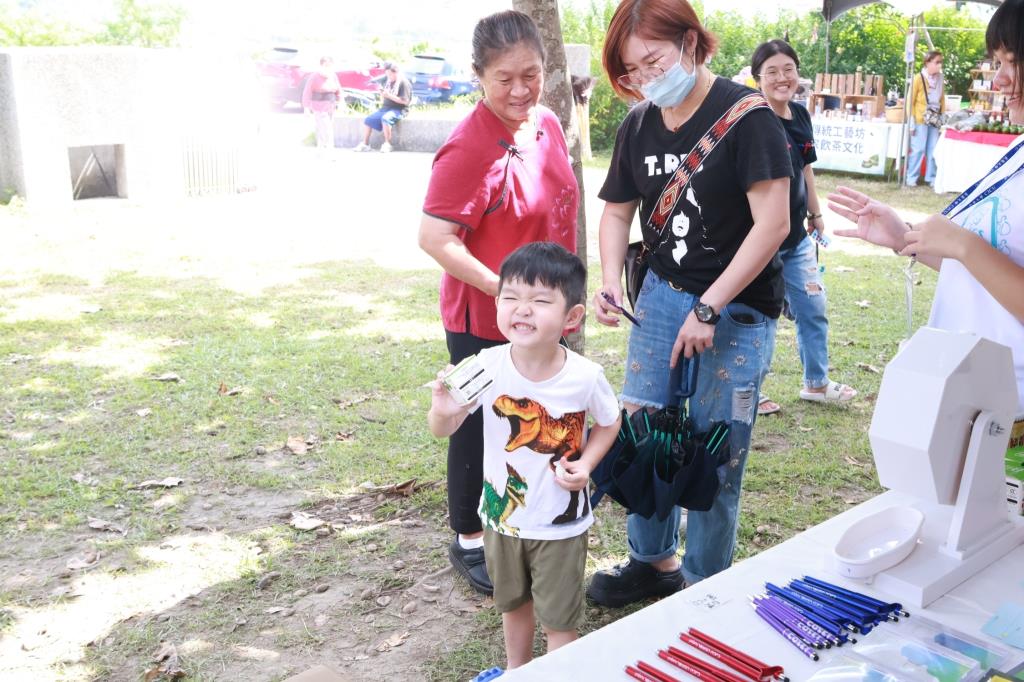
[{"x": 691, "y": 365}]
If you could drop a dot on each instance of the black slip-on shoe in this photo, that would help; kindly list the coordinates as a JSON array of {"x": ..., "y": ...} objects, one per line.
[
  {"x": 632, "y": 581},
  {"x": 471, "y": 565}
]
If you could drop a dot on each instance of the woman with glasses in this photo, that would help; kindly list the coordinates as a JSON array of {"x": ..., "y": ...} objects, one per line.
[
  {"x": 775, "y": 66},
  {"x": 501, "y": 180},
  {"x": 714, "y": 286}
]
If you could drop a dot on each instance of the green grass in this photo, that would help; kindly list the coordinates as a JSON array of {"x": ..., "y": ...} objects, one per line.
[{"x": 358, "y": 335}]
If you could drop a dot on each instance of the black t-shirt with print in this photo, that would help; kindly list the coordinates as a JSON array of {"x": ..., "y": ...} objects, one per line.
[
  {"x": 713, "y": 217},
  {"x": 801, "y": 149}
]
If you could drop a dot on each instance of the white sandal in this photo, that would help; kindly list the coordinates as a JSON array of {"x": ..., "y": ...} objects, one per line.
[{"x": 835, "y": 392}]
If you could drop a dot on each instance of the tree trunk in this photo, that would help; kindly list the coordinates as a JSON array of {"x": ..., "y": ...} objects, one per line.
[{"x": 558, "y": 97}]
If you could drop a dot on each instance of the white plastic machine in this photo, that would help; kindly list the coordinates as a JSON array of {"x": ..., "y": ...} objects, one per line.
[{"x": 939, "y": 433}]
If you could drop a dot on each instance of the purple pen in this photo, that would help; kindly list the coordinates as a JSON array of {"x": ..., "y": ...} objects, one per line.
[
  {"x": 796, "y": 624},
  {"x": 785, "y": 607},
  {"x": 625, "y": 313},
  {"x": 779, "y": 627}
]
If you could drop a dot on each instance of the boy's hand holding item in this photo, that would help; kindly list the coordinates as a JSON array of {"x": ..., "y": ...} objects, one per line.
[{"x": 446, "y": 415}]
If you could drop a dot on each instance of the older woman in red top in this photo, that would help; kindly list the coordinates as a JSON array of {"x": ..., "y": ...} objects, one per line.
[{"x": 503, "y": 179}]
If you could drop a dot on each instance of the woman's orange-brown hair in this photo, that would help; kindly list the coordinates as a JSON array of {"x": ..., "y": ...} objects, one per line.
[{"x": 653, "y": 20}]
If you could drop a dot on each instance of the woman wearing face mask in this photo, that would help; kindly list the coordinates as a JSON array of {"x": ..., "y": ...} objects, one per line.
[
  {"x": 502, "y": 179},
  {"x": 714, "y": 285},
  {"x": 977, "y": 243},
  {"x": 775, "y": 66},
  {"x": 925, "y": 95}
]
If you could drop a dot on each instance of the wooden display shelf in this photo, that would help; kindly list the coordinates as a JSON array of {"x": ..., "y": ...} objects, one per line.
[
  {"x": 984, "y": 70},
  {"x": 877, "y": 102}
]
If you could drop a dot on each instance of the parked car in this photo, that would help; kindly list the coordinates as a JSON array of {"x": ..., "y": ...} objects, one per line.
[
  {"x": 437, "y": 79},
  {"x": 284, "y": 71}
]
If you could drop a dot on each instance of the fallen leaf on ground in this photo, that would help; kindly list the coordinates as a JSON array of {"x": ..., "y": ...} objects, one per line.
[
  {"x": 852, "y": 462},
  {"x": 393, "y": 641},
  {"x": 863, "y": 304},
  {"x": 224, "y": 390},
  {"x": 345, "y": 435},
  {"x": 321, "y": 620},
  {"x": 167, "y": 666},
  {"x": 274, "y": 609},
  {"x": 868, "y": 368},
  {"x": 100, "y": 524},
  {"x": 304, "y": 521},
  {"x": 843, "y": 268},
  {"x": 267, "y": 578},
  {"x": 86, "y": 560},
  {"x": 270, "y": 399},
  {"x": 383, "y": 600},
  {"x": 169, "y": 482},
  {"x": 144, "y": 412},
  {"x": 296, "y": 445},
  {"x": 806, "y": 428},
  {"x": 167, "y": 376}
]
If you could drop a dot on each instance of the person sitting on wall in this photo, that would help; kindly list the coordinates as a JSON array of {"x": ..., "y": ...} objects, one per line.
[{"x": 396, "y": 94}]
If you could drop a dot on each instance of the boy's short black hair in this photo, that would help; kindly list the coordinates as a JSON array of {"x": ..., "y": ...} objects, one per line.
[{"x": 551, "y": 264}]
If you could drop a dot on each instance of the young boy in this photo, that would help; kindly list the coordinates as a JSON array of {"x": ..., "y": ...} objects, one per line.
[{"x": 535, "y": 508}]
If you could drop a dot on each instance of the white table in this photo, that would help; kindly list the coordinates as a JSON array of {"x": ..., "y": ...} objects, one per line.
[
  {"x": 718, "y": 606},
  {"x": 959, "y": 163}
]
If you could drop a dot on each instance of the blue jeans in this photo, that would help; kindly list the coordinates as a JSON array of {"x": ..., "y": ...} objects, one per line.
[
  {"x": 383, "y": 117},
  {"x": 805, "y": 293},
  {"x": 922, "y": 143},
  {"x": 730, "y": 375}
]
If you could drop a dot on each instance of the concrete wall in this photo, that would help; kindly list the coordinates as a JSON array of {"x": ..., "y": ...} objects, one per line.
[
  {"x": 143, "y": 103},
  {"x": 410, "y": 135}
]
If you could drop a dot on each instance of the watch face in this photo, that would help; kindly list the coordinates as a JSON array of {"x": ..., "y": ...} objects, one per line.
[{"x": 704, "y": 312}]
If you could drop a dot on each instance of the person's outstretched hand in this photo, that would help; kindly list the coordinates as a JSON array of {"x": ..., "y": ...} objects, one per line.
[{"x": 877, "y": 223}]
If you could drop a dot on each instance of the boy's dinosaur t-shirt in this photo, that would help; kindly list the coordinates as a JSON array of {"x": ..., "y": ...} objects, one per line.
[{"x": 528, "y": 426}]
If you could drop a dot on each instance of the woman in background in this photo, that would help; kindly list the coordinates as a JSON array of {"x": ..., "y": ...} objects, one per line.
[
  {"x": 776, "y": 69},
  {"x": 926, "y": 94}
]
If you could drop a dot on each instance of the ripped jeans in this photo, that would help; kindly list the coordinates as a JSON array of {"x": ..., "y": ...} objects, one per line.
[
  {"x": 805, "y": 293},
  {"x": 730, "y": 375}
]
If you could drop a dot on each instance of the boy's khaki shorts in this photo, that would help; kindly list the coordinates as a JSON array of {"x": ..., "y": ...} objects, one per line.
[{"x": 550, "y": 572}]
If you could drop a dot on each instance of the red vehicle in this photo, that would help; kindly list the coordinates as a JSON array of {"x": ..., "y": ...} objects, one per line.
[{"x": 284, "y": 70}]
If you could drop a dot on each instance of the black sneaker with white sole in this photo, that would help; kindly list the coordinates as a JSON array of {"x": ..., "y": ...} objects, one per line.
[
  {"x": 471, "y": 565},
  {"x": 631, "y": 582}
]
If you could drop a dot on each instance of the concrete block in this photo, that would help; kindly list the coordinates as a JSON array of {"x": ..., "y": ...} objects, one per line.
[{"x": 411, "y": 134}]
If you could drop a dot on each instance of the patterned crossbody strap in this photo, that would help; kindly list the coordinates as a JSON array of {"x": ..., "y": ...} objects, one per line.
[{"x": 705, "y": 145}]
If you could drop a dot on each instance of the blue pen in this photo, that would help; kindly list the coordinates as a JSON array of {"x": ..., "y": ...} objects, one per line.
[
  {"x": 878, "y": 614},
  {"x": 895, "y": 607},
  {"x": 854, "y": 616},
  {"x": 815, "y": 605},
  {"x": 858, "y": 612}
]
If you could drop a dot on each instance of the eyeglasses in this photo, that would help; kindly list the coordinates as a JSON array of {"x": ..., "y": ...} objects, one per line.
[
  {"x": 774, "y": 74},
  {"x": 634, "y": 78}
]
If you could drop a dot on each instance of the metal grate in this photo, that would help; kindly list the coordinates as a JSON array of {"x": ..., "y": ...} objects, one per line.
[{"x": 210, "y": 167}]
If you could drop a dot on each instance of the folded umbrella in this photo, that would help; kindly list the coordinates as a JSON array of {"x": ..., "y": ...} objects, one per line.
[{"x": 660, "y": 460}]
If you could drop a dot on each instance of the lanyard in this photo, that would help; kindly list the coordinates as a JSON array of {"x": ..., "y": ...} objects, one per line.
[{"x": 989, "y": 191}]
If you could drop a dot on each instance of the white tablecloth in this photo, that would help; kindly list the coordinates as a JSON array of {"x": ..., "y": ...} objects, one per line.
[
  {"x": 959, "y": 164},
  {"x": 718, "y": 606}
]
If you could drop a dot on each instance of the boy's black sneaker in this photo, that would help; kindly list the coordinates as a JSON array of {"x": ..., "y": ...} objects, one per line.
[
  {"x": 632, "y": 581},
  {"x": 471, "y": 566}
]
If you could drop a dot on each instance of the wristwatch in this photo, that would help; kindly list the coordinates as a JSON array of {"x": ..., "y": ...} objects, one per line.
[{"x": 705, "y": 313}]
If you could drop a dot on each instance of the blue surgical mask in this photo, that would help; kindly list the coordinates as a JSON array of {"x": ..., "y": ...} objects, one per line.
[{"x": 671, "y": 87}]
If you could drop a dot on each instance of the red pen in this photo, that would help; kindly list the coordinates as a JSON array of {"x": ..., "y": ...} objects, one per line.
[
  {"x": 719, "y": 673},
  {"x": 736, "y": 664},
  {"x": 655, "y": 673},
  {"x": 766, "y": 670},
  {"x": 699, "y": 673},
  {"x": 640, "y": 675}
]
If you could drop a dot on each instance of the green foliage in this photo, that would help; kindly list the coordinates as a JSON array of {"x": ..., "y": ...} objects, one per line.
[
  {"x": 148, "y": 25},
  {"x": 961, "y": 50},
  {"x": 870, "y": 38},
  {"x": 151, "y": 25}
]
